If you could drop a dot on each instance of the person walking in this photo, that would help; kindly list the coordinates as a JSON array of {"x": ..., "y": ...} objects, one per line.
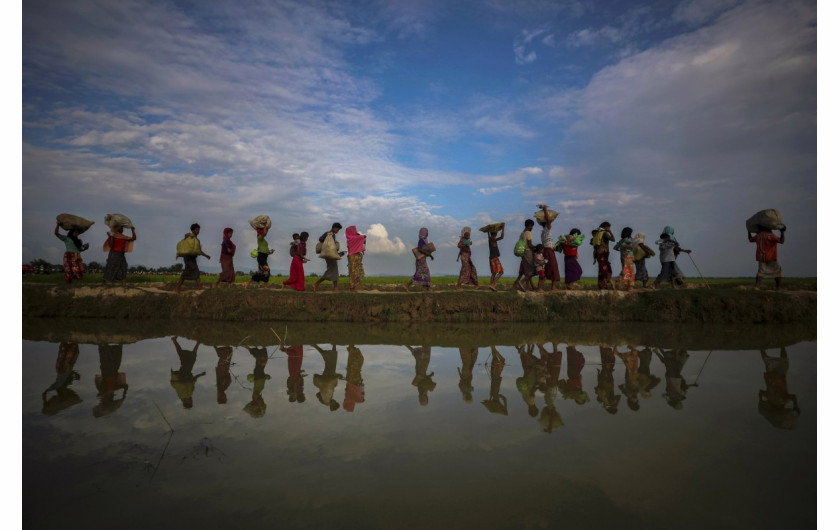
[{"x": 328, "y": 241}]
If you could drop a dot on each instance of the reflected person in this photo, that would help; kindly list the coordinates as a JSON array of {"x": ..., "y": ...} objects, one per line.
[
  {"x": 469, "y": 356},
  {"x": 675, "y": 384},
  {"x": 328, "y": 379},
  {"x": 606, "y": 382},
  {"x": 497, "y": 404},
  {"x": 256, "y": 407},
  {"x": 772, "y": 402},
  {"x": 527, "y": 384},
  {"x": 572, "y": 386},
  {"x": 422, "y": 379},
  {"x": 183, "y": 380},
  {"x": 65, "y": 397},
  {"x": 223, "y": 377},
  {"x": 110, "y": 380},
  {"x": 294, "y": 383},
  {"x": 647, "y": 381},
  {"x": 630, "y": 387},
  {"x": 354, "y": 389}
]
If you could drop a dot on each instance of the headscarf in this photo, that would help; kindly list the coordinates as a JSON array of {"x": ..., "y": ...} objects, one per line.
[
  {"x": 423, "y": 234},
  {"x": 670, "y": 231},
  {"x": 465, "y": 240},
  {"x": 355, "y": 240}
]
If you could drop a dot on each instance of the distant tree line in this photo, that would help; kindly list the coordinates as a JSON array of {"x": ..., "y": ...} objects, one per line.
[{"x": 41, "y": 266}]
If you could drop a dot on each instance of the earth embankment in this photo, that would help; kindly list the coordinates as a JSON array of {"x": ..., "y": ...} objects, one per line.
[{"x": 689, "y": 306}]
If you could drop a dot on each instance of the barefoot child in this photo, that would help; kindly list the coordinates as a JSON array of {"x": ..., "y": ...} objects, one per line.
[
  {"x": 496, "y": 269},
  {"x": 539, "y": 263}
]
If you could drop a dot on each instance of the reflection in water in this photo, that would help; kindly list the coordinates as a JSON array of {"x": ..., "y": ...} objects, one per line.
[
  {"x": 675, "y": 386},
  {"x": 294, "y": 383},
  {"x": 109, "y": 380},
  {"x": 223, "y": 377},
  {"x": 527, "y": 384},
  {"x": 354, "y": 389},
  {"x": 183, "y": 380},
  {"x": 630, "y": 387},
  {"x": 572, "y": 386},
  {"x": 328, "y": 379},
  {"x": 155, "y": 452},
  {"x": 497, "y": 404},
  {"x": 469, "y": 356},
  {"x": 606, "y": 383},
  {"x": 772, "y": 402},
  {"x": 256, "y": 407},
  {"x": 422, "y": 379},
  {"x": 65, "y": 397}
]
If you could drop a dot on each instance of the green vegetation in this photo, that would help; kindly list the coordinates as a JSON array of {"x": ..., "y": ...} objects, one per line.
[{"x": 791, "y": 284}]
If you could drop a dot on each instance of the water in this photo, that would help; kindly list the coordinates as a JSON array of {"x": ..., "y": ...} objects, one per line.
[{"x": 390, "y": 432}]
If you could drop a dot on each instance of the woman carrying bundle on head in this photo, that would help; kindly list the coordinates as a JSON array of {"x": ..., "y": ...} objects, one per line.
[
  {"x": 468, "y": 274},
  {"x": 117, "y": 244},
  {"x": 74, "y": 267}
]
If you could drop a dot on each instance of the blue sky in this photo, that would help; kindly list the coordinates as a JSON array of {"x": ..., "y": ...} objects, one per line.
[{"x": 393, "y": 115}]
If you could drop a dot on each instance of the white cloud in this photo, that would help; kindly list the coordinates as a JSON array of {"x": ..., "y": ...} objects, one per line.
[{"x": 378, "y": 241}]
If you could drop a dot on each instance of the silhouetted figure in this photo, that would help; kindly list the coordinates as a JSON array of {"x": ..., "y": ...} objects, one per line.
[
  {"x": 65, "y": 397},
  {"x": 223, "y": 377},
  {"x": 294, "y": 383},
  {"x": 110, "y": 380},
  {"x": 422, "y": 379},
  {"x": 630, "y": 387},
  {"x": 675, "y": 385},
  {"x": 328, "y": 380},
  {"x": 647, "y": 381},
  {"x": 772, "y": 402},
  {"x": 354, "y": 389},
  {"x": 572, "y": 386},
  {"x": 256, "y": 407},
  {"x": 527, "y": 384},
  {"x": 497, "y": 404},
  {"x": 469, "y": 356},
  {"x": 606, "y": 382},
  {"x": 183, "y": 380}
]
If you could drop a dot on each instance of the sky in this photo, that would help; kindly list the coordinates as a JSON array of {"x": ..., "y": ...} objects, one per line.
[{"x": 397, "y": 115}]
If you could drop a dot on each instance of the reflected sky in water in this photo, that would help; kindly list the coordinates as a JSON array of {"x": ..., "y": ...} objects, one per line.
[{"x": 530, "y": 434}]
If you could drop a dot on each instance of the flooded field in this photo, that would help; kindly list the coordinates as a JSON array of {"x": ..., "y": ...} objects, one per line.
[{"x": 345, "y": 426}]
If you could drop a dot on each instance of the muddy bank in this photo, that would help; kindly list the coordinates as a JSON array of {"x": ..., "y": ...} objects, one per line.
[
  {"x": 438, "y": 334},
  {"x": 690, "y": 306}
]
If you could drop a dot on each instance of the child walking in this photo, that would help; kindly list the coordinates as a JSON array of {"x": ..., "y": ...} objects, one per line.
[
  {"x": 625, "y": 249},
  {"x": 539, "y": 263}
]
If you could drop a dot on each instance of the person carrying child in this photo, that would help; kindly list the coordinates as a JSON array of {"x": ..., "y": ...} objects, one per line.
[{"x": 569, "y": 244}]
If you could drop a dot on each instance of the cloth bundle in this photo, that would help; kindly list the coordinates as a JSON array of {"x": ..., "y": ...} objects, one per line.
[
  {"x": 115, "y": 220},
  {"x": 539, "y": 215},
  {"x": 69, "y": 222},
  {"x": 771, "y": 219},
  {"x": 261, "y": 221},
  {"x": 189, "y": 246}
]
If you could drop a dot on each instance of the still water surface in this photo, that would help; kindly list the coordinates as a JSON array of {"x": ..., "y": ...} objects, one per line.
[{"x": 231, "y": 428}]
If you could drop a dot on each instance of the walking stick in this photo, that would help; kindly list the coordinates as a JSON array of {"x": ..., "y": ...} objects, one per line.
[
  {"x": 701, "y": 370},
  {"x": 698, "y": 271}
]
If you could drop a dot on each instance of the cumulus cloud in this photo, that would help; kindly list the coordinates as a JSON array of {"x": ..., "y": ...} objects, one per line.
[{"x": 378, "y": 241}]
